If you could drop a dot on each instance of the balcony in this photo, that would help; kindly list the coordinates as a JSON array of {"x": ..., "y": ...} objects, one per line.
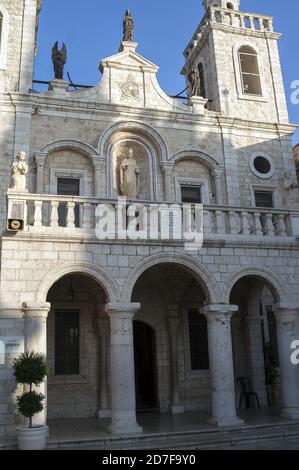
[{"x": 67, "y": 217}]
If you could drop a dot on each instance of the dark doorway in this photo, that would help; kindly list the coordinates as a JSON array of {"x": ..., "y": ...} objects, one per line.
[{"x": 145, "y": 366}]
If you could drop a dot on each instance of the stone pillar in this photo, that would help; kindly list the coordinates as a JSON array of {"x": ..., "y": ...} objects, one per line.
[
  {"x": 36, "y": 314},
  {"x": 256, "y": 352},
  {"x": 40, "y": 158},
  {"x": 167, "y": 169},
  {"x": 286, "y": 319},
  {"x": 11, "y": 345},
  {"x": 103, "y": 331},
  {"x": 257, "y": 363},
  {"x": 173, "y": 327},
  {"x": 123, "y": 400},
  {"x": 221, "y": 365},
  {"x": 216, "y": 174},
  {"x": 98, "y": 168}
]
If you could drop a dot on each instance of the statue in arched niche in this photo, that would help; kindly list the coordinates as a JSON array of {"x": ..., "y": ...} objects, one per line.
[{"x": 129, "y": 176}]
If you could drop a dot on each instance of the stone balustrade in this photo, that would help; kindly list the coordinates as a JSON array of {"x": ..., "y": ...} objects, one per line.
[
  {"x": 60, "y": 214},
  {"x": 233, "y": 18}
]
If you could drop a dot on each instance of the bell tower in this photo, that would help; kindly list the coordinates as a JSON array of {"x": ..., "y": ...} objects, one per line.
[
  {"x": 236, "y": 55},
  {"x": 231, "y": 5},
  {"x": 18, "y": 30}
]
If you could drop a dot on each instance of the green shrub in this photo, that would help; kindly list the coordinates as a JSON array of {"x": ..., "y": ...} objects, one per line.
[{"x": 30, "y": 369}]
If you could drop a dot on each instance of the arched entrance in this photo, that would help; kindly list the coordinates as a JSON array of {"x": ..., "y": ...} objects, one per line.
[
  {"x": 171, "y": 296},
  {"x": 145, "y": 366},
  {"x": 77, "y": 385},
  {"x": 254, "y": 338}
]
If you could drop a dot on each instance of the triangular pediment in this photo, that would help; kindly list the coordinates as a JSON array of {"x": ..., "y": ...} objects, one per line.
[{"x": 128, "y": 59}]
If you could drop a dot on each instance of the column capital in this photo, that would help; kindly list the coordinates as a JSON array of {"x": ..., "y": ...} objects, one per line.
[
  {"x": 10, "y": 311},
  {"x": 167, "y": 168},
  {"x": 97, "y": 161},
  {"x": 286, "y": 309},
  {"x": 122, "y": 310},
  {"x": 217, "y": 171},
  {"x": 218, "y": 311},
  {"x": 40, "y": 158},
  {"x": 36, "y": 309}
]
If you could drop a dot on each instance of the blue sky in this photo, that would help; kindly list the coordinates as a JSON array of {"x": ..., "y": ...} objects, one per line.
[{"x": 92, "y": 30}]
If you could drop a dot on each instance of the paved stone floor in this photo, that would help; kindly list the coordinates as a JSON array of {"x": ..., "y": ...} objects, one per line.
[
  {"x": 91, "y": 428},
  {"x": 279, "y": 444},
  {"x": 264, "y": 429}
]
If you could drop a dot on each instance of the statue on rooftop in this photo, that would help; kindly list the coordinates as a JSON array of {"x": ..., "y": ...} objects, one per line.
[
  {"x": 194, "y": 80},
  {"x": 59, "y": 60},
  {"x": 128, "y": 26}
]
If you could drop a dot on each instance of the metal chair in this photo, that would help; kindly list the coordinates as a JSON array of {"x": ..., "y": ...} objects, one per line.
[{"x": 246, "y": 392}]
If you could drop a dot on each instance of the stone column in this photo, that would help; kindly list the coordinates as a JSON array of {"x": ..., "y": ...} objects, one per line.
[
  {"x": 257, "y": 363},
  {"x": 286, "y": 319},
  {"x": 256, "y": 352},
  {"x": 167, "y": 169},
  {"x": 40, "y": 158},
  {"x": 103, "y": 331},
  {"x": 123, "y": 400},
  {"x": 221, "y": 365},
  {"x": 173, "y": 327},
  {"x": 11, "y": 345},
  {"x": 98, "y": 168},
  {"x": 36, "y": 314},
  {"x": 216, "y": 174}
]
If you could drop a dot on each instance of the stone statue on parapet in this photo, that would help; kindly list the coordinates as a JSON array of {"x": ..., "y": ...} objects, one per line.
[
  {"x": 128, "y": 26},
  {"x": 18, "y": 172},
  {"x": 59, "y": 57},
  {"x": 195, "y": 85}
]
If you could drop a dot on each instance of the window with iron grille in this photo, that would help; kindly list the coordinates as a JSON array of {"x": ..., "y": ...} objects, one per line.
[
  {"x": 67, "y": 346},
  {"x": 264, "y": 199},
  {"x": 198, "y": 338}
]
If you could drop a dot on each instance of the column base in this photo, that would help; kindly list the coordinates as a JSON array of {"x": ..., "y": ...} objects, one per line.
[
  {"x": 233, "y": 421},
  {"x": 290, "y": 413},
  {"x": 102, "y": 414},
  {"x": 177, "y": 409},
  {"x": 132, "y": 429}
]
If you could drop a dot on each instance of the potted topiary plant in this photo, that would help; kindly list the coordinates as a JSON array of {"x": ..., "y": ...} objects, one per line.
[
  {"x": 31, "y": 369},
  {"x": 272, "y": 374}
]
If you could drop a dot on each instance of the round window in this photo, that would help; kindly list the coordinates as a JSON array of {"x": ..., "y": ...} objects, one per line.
[{"x": 262, "y": 166}]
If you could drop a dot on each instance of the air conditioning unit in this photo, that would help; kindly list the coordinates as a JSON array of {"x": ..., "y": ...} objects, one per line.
[{"x": 16, "y": 215}]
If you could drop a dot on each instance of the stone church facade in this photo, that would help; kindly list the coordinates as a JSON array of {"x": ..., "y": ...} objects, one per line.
[{"x": 145, "y": 324}]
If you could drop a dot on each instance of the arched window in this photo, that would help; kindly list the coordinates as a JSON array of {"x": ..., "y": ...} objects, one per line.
[
  {"x": 203, "y": 92},
  {"x": 250, "y": 74}
]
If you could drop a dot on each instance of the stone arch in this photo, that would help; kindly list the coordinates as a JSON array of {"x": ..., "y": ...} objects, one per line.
[
  {"x": 275, "y": 284},
  {"x": 133, "y": 126},
  {"x": 65, "y": 144},
  {"x": 202, "y": 157},
  {"x": 98, "y": 274},
  {"x": 204, "y": 277}
]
